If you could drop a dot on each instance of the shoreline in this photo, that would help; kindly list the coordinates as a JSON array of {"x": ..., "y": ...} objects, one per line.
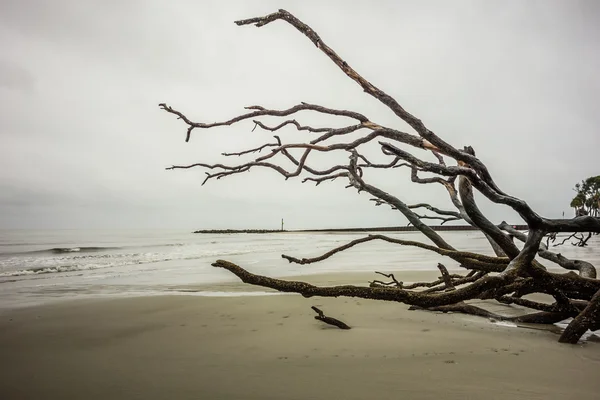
[{"x": 232, "y": 287}]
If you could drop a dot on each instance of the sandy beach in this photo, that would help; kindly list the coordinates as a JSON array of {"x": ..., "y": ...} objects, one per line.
[{"x": 271, "y": 347}]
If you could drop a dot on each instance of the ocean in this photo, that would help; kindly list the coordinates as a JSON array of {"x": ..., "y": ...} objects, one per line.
[{"x": 39, "y": 266}]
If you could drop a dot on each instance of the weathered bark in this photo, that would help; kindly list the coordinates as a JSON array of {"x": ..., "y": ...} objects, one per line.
[
  {"x": 408, "y": 213},
  {"x": 466, "y": 194},
  {"x": 542, "y": 317},
  {"x": 329, "y": 320},
  {"x": 585, "y": 268},
  {"x": 589, "y": 318},
  {"x": 446, "y": 277},
  {"x": 482, "y": 285},
  {"x": 462, "y": 308},
  {"x": 484, "y": 288},
  {"x": 433, "y": 286}
]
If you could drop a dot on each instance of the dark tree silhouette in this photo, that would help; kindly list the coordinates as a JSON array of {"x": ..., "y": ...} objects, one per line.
[
  {"x": 507, "y": 277},
  {"x": 587, "y": 199}
]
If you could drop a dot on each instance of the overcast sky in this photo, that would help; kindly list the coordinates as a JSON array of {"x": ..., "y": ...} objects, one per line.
[{"x": 83, "y": 143}]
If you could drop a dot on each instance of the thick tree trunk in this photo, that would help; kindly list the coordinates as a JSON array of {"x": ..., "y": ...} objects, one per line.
[{"x": 588, "y": 319}]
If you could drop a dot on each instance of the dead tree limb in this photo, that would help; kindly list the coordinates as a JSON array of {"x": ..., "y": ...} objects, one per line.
[
  {"x": 446, "y": 277},
  {"x": 585, "y": 268},
  {"x": 506, "y": 278},
  {"x": 582, "y": 240},
  {"x": 433, "y": 287},
  {"x": 261, "y": 111},
  {"x": 471, "y": 260},
  {"x": 436, "y": 217},
  {"x": 435, "y": 210},
  {"x": 394, "y": 281},
  {"x": 588, "y": 319},
  {"x": 485, "y": 287},
  {"x": 329, "y": 320},
  {"x": 378, "y": 293}
]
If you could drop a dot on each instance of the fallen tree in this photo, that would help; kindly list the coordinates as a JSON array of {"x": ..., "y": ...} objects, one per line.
[{"x": 507, "y": 277}]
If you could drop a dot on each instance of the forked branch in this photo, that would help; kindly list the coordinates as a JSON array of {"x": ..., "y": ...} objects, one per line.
[{"x": 474, "y": 260}]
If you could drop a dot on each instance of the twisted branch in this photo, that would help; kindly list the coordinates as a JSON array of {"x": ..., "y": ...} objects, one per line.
[
  {"x": 436, "y": 210},
  {"x": 261, "y": 111},
  {"x": 474, "y": 260},
  {"x": 585, "y": 268}
]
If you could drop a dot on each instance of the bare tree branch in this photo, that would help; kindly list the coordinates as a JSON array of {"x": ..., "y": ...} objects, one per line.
[
  {"x": 394, "y": 281},
  {"x": 481, "y": 179},
  {"x": 571, "y": 236},
  {"x": 488, "y": 189},
  {"x": 588, "y": 319},
  {"x": 292, "y": 122},
  {"x": 257, "y": 149},
  {"x": 328, "y": 320},
  {"x": 402, "y": 207},
  {"x": 343, "y": 65},
  {"x": 433, "y": 286},
  {"x": 492, "y": 264},
  {"x": 325, "y": 178},
  {"x": 446, "y": 277},
  {"x": 261, "y": 111},
  {"x": 506, "y": 278},
  {"x": 463, "y": 308},
  {"x": 443, "y": 219},
  {"x": 376, "y": 293},
  {"x": 434, "y": 142},
  {"x": 585, "y": 268},
  {"x": 456, "y": 280},
  {"x": 435, "y": 210}
]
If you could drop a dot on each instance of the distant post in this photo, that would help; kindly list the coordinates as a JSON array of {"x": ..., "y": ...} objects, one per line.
[{"x": 281, "y": 224}]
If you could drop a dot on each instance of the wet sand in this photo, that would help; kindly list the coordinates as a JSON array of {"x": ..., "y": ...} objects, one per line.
[{"x": 271, "y": 347}]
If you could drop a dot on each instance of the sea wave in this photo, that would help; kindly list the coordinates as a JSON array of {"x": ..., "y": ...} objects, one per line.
[
  {"x": 93, "y": 249},
  {"x": 54, "y": 269},
  {"x": 43, "y": 270},
  {"x": 63, "y": 250},
  {"x": 74, "y": 263},
  {"x": 89, "y": 249}
]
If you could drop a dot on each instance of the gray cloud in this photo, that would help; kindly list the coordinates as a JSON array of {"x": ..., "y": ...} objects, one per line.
[{"x": 84, "y": 144}]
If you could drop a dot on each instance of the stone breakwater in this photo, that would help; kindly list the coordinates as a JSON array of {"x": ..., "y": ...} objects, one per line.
[{"x": 377, "y": 229}]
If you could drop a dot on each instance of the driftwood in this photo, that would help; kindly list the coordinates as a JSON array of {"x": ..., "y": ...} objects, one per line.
[
  {"x": 506, "y": 277},
  {"x": 329, "y": 320}
]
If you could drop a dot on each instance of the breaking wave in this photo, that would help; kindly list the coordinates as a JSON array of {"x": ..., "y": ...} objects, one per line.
[
  {"x": 60, "y": 250},
  {"x": 63, "y": 250},
  {"x": 43, "y": 270},
  {"x": 90, "y": 249},
  {"x": 72, "y": 261}
]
